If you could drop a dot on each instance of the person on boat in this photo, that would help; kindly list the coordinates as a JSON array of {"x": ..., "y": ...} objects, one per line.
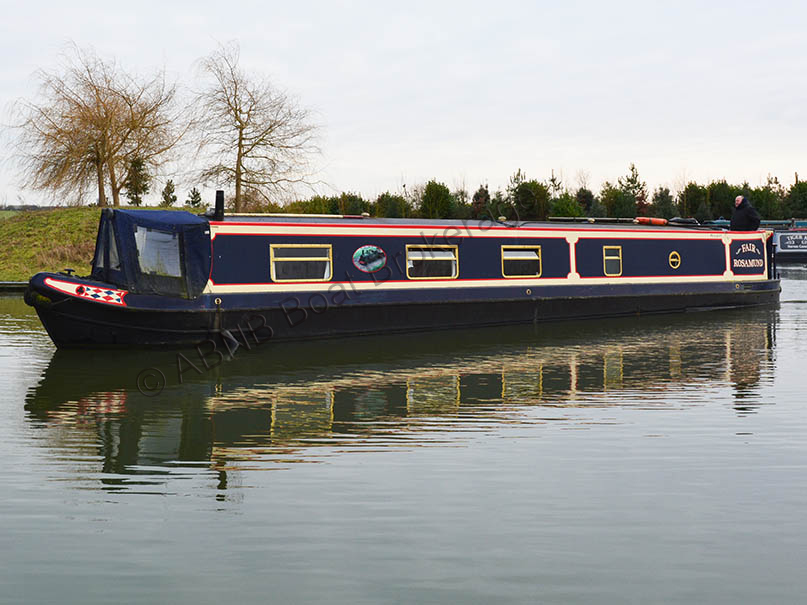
[{"x": 745, "y": 217}]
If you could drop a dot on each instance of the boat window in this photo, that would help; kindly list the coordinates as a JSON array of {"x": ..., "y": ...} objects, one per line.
[
  {"x": 107, "y": 242},
  {"x": 114, "y": 262},
  {"x": 98, "y": 263},
  {"x": 157, "y": 252},
  {"x": 432, "y": 262},
  {"x": 521, "y": 261},
  {"x": 300, "y": 262},
  {"x": 612, "y": 260}
]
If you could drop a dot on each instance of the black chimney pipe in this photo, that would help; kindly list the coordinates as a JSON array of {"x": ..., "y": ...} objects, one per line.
[{"x": 218, "y": 215}]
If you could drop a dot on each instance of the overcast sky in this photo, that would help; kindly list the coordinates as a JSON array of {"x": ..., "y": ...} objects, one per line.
[{"x": 468, "y": 92}]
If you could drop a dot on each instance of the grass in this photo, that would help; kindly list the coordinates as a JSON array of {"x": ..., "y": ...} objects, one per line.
[{"x": 46, "y": 240}]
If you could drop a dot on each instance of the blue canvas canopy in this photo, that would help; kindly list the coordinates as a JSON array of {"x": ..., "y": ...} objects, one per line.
[{"x": 153, "y": 252}]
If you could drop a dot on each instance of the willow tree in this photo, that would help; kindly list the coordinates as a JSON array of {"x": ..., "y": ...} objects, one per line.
[
  {"x": 89, "y": 122},
  {"x": 257, "y": 138}
]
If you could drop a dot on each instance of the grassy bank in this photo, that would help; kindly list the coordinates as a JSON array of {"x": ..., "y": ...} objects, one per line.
[{"x": 46, "y": 240}]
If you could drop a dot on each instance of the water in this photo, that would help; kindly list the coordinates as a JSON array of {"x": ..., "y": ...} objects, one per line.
[{"x": 657, "y": 459}]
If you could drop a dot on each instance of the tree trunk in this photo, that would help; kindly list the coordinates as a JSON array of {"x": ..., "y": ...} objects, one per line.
[
  {"x": 113, "y": 184},
  {"x": 238, "y": 171},
  {"x": 99, "y": 169}
]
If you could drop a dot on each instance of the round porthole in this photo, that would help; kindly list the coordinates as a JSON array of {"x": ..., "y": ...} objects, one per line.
[
  {"x": 675, "y": 259},
  {"x": 529, "y": 291}
]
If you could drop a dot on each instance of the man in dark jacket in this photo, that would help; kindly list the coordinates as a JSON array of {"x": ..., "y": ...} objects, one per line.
[{"x": 745, "y": 217}]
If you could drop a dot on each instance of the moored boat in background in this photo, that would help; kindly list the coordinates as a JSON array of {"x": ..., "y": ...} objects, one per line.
[{"x": 791, "y": 245}]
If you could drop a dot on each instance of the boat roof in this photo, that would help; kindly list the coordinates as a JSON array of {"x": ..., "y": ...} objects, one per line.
[
  {"x": 154, "y": 218},
  {"x": 320, "y": 219},
  {"x": 157, "y": 217}
]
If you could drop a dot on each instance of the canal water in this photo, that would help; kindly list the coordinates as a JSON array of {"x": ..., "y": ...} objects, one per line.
[{"x": 646, "y": 460}]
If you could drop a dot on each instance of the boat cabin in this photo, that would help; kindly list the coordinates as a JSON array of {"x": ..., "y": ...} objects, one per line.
[{"x": 160, "y": 252}]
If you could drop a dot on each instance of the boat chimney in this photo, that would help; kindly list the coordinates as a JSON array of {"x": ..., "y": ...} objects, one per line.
[{"x": 219, "y": 213}]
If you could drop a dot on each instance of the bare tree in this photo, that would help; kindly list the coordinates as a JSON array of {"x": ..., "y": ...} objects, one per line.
[
  {"x": 260, "y": 140},
  {"x": 91, "y": 121},
  {"x": 582, "y": 177}
]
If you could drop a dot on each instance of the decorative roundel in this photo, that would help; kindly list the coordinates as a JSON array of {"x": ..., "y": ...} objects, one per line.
[
  {"x": 675, "y": 259},
  {"x": 369, "y": 259}
]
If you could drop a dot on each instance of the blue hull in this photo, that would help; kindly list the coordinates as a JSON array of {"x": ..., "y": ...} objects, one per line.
[{"x": 74, "y": 322}]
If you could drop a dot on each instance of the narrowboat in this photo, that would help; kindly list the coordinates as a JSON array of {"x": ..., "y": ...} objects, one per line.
[{"x": 172, "y": 278}]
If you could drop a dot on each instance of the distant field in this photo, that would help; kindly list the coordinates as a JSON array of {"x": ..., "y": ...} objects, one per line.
[{"x": 7, "y": 213}]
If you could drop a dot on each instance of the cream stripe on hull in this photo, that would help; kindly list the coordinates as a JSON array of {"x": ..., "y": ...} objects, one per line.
[{"x": 454, "y": 284}]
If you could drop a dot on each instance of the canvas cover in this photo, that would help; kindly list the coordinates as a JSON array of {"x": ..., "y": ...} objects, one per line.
[{"x": 159, "y": 252}]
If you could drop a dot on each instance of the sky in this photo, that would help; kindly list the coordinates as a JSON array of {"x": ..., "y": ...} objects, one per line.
[{"x": 469, "y": 92}]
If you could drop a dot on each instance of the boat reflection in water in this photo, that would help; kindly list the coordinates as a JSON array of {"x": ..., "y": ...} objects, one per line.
[{"x": 271, "y": 406}]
